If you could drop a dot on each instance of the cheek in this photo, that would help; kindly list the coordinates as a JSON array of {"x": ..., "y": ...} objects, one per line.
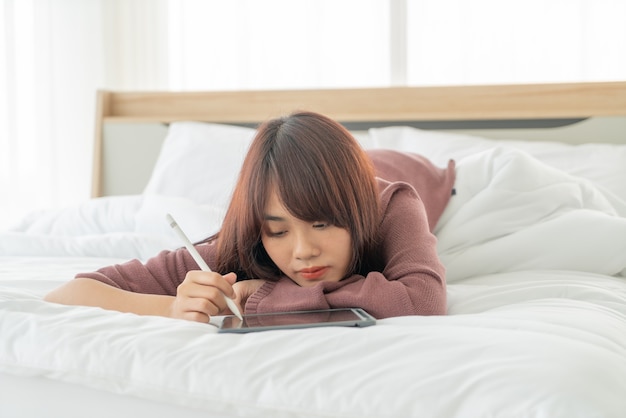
[
  {"x": 273, "y": 250},
  {"x": 267, "y": 245},
  {"x": 344, "y": 248}
]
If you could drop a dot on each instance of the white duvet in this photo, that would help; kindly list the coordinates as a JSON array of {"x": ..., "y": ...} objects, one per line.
[
  {"x": 536, "y": 324},
  {"x": 513, "y": 213}
]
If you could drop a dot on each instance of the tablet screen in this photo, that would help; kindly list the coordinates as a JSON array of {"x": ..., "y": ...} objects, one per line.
[{"x": 349, "y": 317}]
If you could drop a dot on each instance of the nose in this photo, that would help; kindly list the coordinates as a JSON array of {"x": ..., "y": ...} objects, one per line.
[{"x": 305, "y": 247}]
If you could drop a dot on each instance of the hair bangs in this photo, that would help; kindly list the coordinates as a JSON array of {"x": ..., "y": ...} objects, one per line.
[{"x": 309, "y": 188}]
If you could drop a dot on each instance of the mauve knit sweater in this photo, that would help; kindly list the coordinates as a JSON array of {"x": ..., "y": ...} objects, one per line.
[{"x": 413, "y": 194}]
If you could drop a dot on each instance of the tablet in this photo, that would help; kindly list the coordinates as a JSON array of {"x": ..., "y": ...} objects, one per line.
[{"x": 344, "y": 317}]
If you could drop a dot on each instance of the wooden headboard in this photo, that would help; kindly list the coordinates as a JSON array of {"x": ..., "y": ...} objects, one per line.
[{"x": 493, "y": 111}]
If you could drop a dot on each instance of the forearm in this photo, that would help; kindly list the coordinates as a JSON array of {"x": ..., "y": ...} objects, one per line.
[
  {"x": 285, "y": 295},
  {"x": 88, "y": 292},
  {"x": 416, "y": 294},
  {"x": 420, "y": 295}
]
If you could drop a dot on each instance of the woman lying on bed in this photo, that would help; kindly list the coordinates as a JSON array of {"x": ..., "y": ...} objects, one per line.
[{"x": 315, "y": 222}]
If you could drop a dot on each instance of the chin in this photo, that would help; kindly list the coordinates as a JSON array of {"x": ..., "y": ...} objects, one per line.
[{"x": 307, "y": 283}]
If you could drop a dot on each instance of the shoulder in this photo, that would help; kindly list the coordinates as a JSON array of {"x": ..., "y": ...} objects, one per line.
[
  {"x": 397, "y": 190},
  {"x": 412, "y": 168},
  {"x": 399, "y": 199},
  {"x": 208, "y": 250},
  {"x": 433, "y": 185}
]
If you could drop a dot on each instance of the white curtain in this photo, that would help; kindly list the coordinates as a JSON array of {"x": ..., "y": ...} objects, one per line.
[
  {"x": 278, "y": 44},
  {"x": 329, "y": 43},
  {"x": 55, "y": 54},
  {"x": 504, "y": 41},
  {"x": 50, "y": 61}
]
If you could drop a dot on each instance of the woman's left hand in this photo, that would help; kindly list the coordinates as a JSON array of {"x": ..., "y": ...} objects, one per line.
[{"x": 245, "y": 288}]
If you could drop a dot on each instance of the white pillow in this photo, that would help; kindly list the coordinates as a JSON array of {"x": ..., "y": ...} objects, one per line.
[
  {"x": 200, "y": 161},
  {"x": 198, "y": 221},
  {"x": 95, "y": 216},
  {"x": 602, "y": 164}
]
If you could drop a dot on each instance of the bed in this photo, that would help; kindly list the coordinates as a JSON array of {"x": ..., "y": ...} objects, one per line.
[{"x": 534, "y": 244}]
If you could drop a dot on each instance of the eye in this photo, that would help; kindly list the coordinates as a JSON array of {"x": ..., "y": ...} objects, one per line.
[
  {"x": 321, "y": 225},
  {"x": 275, "y": 234}
]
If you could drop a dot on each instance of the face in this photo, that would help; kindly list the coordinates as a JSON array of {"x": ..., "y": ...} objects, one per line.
[{"x": 307, "y": 252}]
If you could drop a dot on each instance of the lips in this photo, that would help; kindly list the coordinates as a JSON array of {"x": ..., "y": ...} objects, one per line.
[{"x": 313, "y": 273}]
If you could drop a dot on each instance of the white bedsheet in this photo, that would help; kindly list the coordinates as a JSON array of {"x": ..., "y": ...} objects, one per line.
[
  {"x": 533, "y": 343},
  {"x": 536, "y": 325}
]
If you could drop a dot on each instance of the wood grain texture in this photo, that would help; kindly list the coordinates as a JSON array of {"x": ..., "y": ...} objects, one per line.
[{"x": 524, "y": 101}]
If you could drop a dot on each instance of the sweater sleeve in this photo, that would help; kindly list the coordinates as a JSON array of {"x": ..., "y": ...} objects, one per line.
[
  {"x": 160, "y": 275},
  {"x": 411, "y": 283},
  {"x": 433, "y": 184}
]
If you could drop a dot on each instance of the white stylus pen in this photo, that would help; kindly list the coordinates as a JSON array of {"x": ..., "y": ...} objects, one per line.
[{"x": 199, "y": 260}]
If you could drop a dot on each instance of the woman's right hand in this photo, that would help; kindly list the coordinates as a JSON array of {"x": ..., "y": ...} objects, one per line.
[{"x": 201, "y": 295}]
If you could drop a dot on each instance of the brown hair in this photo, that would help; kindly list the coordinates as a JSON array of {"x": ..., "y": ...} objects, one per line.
[{"x": 320, "y": 173}]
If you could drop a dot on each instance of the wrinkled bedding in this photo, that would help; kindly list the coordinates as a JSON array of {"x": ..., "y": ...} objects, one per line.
[
  {"x": 535, "y": 260},
  {"x": 511, "y": 213}
]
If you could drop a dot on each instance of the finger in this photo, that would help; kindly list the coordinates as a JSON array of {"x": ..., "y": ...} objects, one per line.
[
  {"x": 198, "y": 308},
  {"x": 209, "y": 278},
  {"x": 182, "y": 309},
  {"x": 196, "y": 290},
  {"x": 231, "y": 278},
  {"x": 237, "y": 303},
  {"x": 196, "y": 316},
  {"x": 205, "y": 306}
]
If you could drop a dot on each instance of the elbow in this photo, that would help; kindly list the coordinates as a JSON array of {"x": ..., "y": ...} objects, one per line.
[
  {"x": 431, "y": 307},
  {"x": 55, "y": 296},
  {"x": 430, "y": 300},
  {"x": 440, "y": 308},
  {"x": 69, "y": 293},
  {"x": 436, "y": 301},
  {"x": 429, "y": 304}
]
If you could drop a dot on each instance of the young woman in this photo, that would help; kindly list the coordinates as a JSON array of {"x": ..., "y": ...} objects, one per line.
[{"x": 315, "y": 222}]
